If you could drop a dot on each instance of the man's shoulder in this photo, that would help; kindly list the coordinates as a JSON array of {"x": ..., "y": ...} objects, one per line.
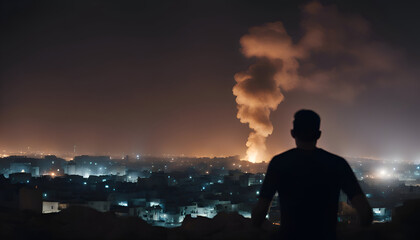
[
  {"x": 330, "y": 155},
  {"x": 284, "y": 156},
  {"x": 292, "y": 153},
  {"x": 333, "y": 158}
]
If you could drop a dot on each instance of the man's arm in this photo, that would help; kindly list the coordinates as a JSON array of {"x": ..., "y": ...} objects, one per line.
[
  {"x": 260, "y": 211},
  {"x": 360, "y": 203},
  {"x": 357, "y": 198}
]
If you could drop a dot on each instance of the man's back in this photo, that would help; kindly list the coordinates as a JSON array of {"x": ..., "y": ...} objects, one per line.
[{"x": 308, "y": 183}]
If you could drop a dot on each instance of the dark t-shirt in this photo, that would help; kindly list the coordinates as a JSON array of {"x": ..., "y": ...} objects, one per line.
[{"x": 308, "y": 183}]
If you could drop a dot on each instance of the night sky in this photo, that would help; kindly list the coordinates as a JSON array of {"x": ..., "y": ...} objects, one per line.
[{"x": 156, "y": 77}]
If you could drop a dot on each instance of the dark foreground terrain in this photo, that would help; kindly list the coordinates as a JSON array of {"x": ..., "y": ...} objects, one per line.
[{"x": 86, "y": 223}]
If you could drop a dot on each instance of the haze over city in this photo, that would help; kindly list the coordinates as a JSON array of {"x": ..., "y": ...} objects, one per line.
[{"x": 158, "y": 77}]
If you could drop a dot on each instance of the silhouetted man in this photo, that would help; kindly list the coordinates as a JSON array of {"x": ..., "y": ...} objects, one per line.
[{"x": 308, "y": 181}]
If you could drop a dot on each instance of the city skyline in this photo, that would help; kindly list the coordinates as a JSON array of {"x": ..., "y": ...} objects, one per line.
[{"x": 157, "y": 77}]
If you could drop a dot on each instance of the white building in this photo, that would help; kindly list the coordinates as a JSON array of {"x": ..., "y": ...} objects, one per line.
[
  {"x": 189, "y": 210},
  {"x": 209, "y": 212},
  {"x": 50, "y": 207}
]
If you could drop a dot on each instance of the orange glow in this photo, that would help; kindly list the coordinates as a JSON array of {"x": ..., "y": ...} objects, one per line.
[{"x": 252, "y": 155}]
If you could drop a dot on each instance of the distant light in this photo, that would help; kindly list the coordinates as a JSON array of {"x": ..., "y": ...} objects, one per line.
[
  {"x": 382, "y": 172},
  {"x": 58, "y": 170},
  {"x": 104, "y": 180},
  {"x": 27, "y": 181},
  {"x": 190, "y": 177},
  {"x": 418, "y": 167},
  {"x": 106, "y": 186},
  {"x": 258, "y": 192},
  {"x": 376, "y": 210},
  {"x": 84, "y": 183},
  {"x": 45, "y": 195},
  {"x": 96, "y": 163},
  {"x": 123, "y": 203},
  {"x": 53, "y": 174},
  {"x": 90, "y": 162},
  {"x": 23, "y": 170}
]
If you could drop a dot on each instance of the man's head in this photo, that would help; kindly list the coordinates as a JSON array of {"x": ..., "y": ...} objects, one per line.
[{"x": 306, "y": 126}]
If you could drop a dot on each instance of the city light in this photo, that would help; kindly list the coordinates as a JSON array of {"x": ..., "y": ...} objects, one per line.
[
  {"x": 383, "y": 173},
  {"x": 202, "y": 181}
]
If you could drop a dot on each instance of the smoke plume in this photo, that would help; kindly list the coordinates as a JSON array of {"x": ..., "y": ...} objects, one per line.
[{"x": 336, "y": 57}]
